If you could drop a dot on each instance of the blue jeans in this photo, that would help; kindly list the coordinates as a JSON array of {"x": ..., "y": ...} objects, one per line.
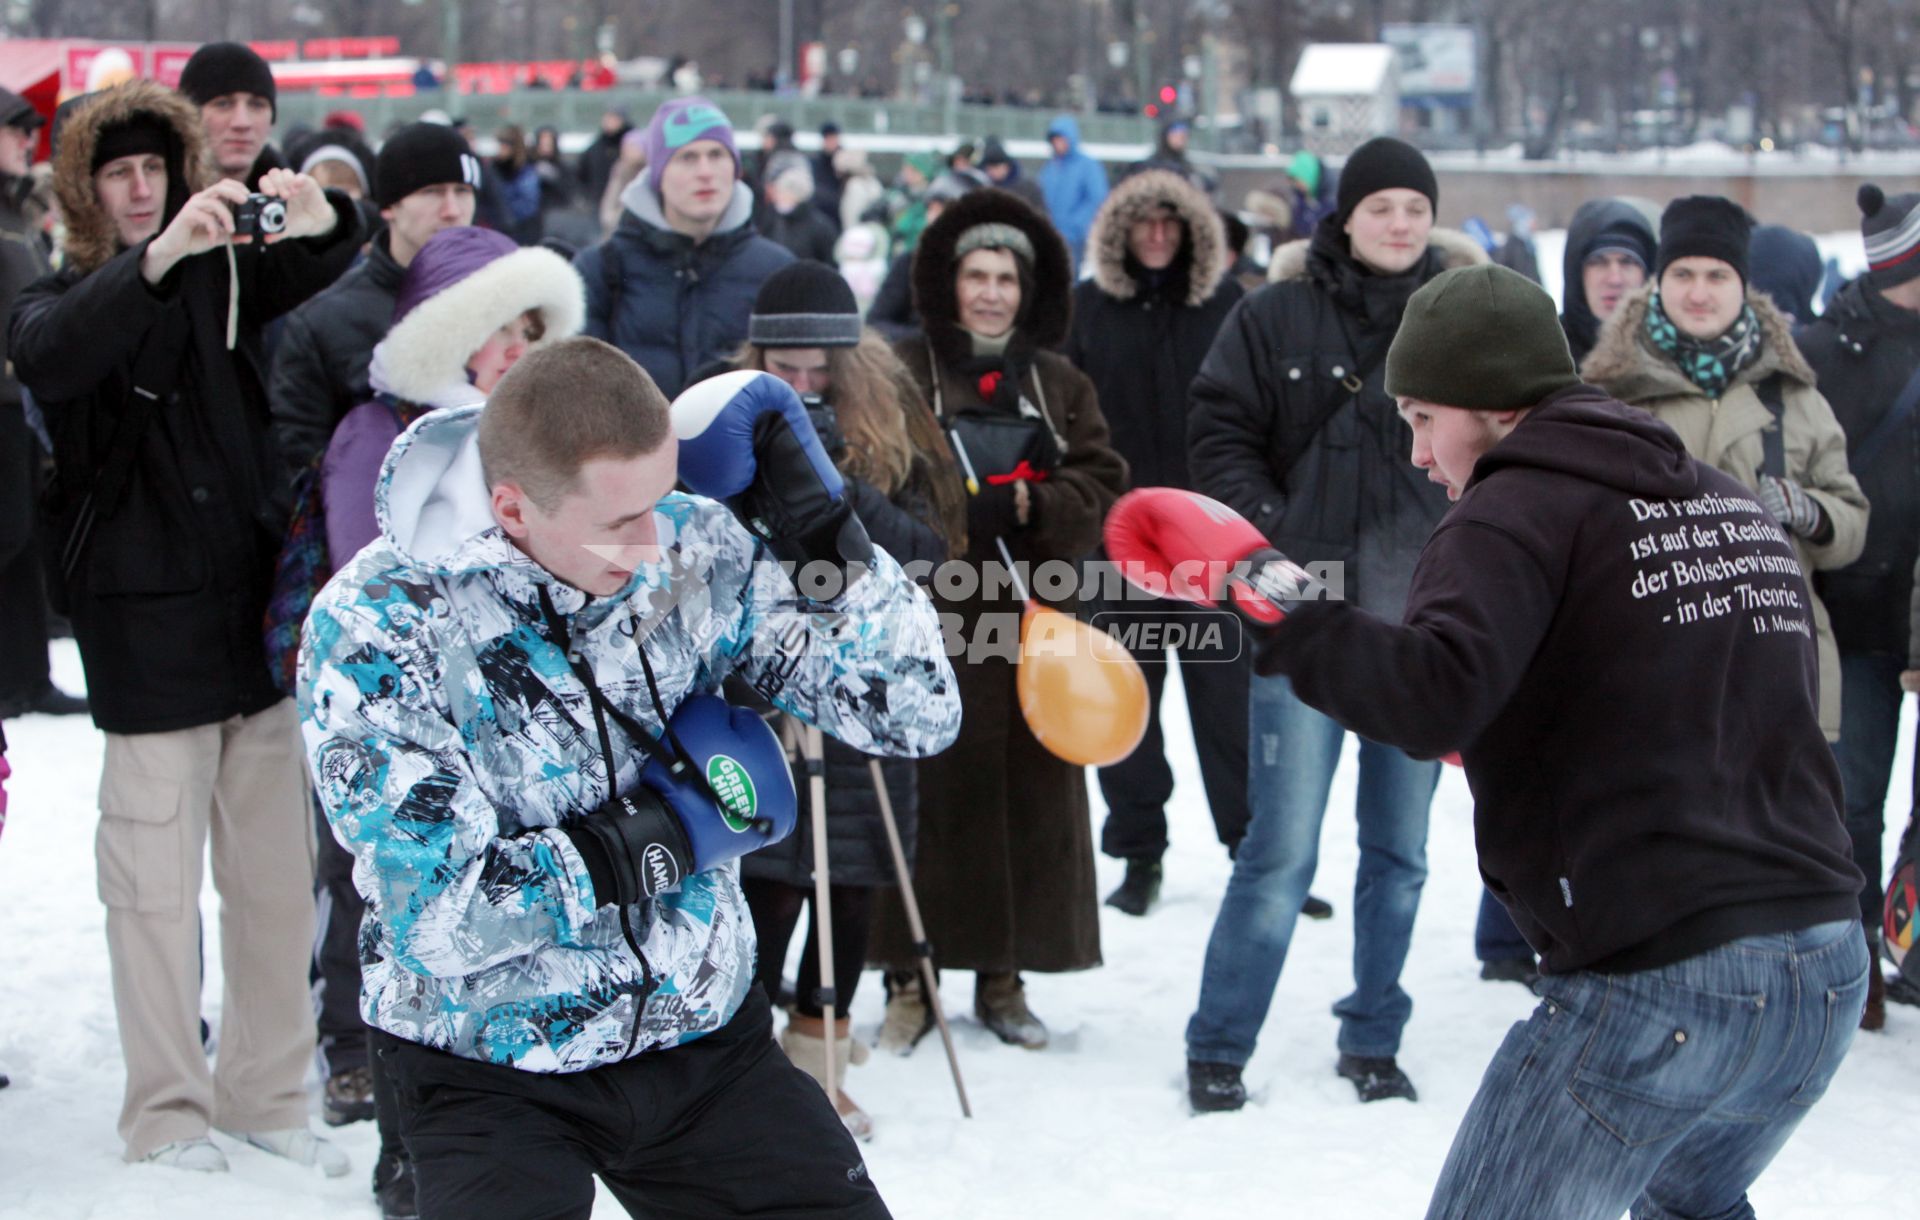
[
  {"x": 1495, "y": 937},
  {"x": 1869, "y": 729},
  {"x": 1665, "y": 1091},
  {"x": 1292, "y": 754}
]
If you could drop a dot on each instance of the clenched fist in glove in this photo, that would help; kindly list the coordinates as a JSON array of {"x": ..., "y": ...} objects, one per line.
[
  {"x": 1792, "y": 507},
  {"x": 1180, "y": 544},
  {"x": 745, "y": 440}
]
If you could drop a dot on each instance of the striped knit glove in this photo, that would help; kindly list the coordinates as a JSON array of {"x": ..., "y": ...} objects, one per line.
[{"x": 1791, "y": 506}]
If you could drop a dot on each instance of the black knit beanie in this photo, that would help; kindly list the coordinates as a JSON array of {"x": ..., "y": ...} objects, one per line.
[
  {"x": 1704, "y": 226},
  {"x": 804, "y": 304},
  {"x": 1891, "y": 228},
  {"x": 139, "y": 134},
  {"x": 220, "y": 68},
  {"x": 1383, "y": 164},
  {"x": 420, "y": 155},
  {"x": 1483, "y": 338}
]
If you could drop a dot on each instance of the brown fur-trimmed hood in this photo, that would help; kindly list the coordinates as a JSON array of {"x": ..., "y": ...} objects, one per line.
[
  {"x": 1045, "y": 319},
  {"x": 1625, "y": 364},
  {"x": 1133, "y": 200},
  {"x": 91, "y": 238},
  {"x": 1289, "y": 262}
]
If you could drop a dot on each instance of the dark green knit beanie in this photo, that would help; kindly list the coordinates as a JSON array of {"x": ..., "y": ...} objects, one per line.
[{"x": 1482, "y": 337}]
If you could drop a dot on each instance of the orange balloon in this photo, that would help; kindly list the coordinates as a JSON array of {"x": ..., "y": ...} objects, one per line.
[{"x": 1083, "y": 695}]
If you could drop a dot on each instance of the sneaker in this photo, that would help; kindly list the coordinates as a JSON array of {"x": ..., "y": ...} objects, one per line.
[
  {"x": 393, "y": 1188},
  {"x": 1138, "y": 890},
  {"x": 908, "y": 1017},
  {"x": 197, "y": 1154},
  {"x": 1316, "y": 908},
  {"x": 1903, "y": 990},
  {"x": 1214, "y": 1088},
  {"x": 300, "y": 1146},
  {"x": 348, "y": 1097},
  {"x": 1376, "y": 1078},
  {"x": 1000, "y": 1001},
  {"x": 1521, "y": 970}
]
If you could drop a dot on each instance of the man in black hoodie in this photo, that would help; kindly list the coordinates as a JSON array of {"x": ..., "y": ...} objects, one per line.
[
  {"x": 1616, "y": 639},
  {"x": 1610, "y": 246}
]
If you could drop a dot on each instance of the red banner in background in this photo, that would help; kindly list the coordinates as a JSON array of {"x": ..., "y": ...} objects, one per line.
[
  {"x": 169, "y": 60},
  {"x": 81, "y": 62},
  {"x": 350, "y": 48}
]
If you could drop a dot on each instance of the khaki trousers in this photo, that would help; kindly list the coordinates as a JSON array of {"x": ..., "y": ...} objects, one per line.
[{"x": 243, "y": 779}]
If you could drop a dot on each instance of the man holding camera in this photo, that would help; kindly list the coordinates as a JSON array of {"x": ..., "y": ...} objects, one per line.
[{"x": 145, "y": 353}]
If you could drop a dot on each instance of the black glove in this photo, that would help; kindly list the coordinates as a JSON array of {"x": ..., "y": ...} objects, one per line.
[
  {"x": 633, "y": 846},
  {"x": 992, "y": 514},
  {"x": 792, "y": 509}
]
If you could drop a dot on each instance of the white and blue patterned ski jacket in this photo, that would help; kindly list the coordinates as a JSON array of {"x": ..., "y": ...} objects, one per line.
[{"x": 448, "y": 738}]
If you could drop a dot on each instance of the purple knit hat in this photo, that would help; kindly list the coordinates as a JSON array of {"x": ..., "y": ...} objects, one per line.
[{"x": 679, "y": 123}]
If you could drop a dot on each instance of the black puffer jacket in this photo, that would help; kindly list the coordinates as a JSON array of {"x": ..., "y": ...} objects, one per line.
[
  {"x": 320, "y": 367},
  {"x": 169, "y": 596},
  {"x": 1141, "y": 337},
  {"x": 1278, "y": 434},
  {"x": 1863, "y": 350},
  {"x": 857, "y": 849}
]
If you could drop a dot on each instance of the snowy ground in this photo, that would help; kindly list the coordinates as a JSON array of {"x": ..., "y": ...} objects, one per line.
[{"x": 1095, "y": 1126}]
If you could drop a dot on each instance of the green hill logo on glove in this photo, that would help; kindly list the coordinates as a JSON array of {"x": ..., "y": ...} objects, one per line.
[{"x": 731, "y": 783}]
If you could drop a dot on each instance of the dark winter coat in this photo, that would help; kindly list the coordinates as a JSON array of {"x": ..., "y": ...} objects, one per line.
[
  {"x": 596, "y": 163},
  {"x": 857, "y": 849},
  {"x": 1785, "y": 264},
  {"x": 320, "y": 365},
  {"x": 1140, "y": 336},
  {"x": 1595, "y": 219},
  {"x": 1016, "y": 182},
  {"x": 1278, "y": 434},
  {"x": 891, "y": 312},
  {"x": 1004, "y": 869},
  {"x": 805, "y": 232},
  {"x": 1863, "y": 350},
  {"x": 23, "y": 259},
  {"x": 1648, "y": 771},
  {"x": 672, "y": 305},
  {"x": 169, "y": 597}
]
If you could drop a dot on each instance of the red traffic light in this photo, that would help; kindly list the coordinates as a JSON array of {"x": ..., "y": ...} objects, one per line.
[
  {"x": 1169, "y": 95},
  {"x": 1152, "y": 111}
]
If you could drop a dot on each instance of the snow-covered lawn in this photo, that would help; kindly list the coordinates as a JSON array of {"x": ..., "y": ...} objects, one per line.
[{"x": 1095, "y": 1126}]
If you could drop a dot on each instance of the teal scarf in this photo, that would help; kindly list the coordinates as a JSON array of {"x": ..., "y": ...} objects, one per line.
[{"x": 1710, "y": 364}]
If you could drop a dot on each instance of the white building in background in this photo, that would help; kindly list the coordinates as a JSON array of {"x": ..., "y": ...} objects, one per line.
[{"x": 1345, "y": 93}]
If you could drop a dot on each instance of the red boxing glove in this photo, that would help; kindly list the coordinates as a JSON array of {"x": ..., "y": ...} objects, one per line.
[{"x": 1180, "y": 544}]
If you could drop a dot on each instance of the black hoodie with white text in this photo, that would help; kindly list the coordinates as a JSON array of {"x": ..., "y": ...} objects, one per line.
[{"x": 1617, "y": 639}]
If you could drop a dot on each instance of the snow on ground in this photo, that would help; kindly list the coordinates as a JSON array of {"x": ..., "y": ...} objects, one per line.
[{"x": 1095, "y": 1126}]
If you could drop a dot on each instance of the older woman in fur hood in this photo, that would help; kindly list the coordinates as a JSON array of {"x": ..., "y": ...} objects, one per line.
[
  {"x": 1715, "y": 361},
  {"x": 472, "y": 303},
  {"x": 1004, "y": 868},
  {"x": 1141, "y": 327}
]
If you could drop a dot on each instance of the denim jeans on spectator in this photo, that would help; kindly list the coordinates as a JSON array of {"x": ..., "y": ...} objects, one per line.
[
  {"x": 1869, "y": 731},
  {"x": 1664, "y": 1091},
  {"x": 1292, "y": 754},
  {"x": 1495, "y": 938}
]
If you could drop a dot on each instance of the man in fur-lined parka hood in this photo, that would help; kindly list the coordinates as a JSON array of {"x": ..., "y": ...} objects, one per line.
[
  {"x": 1141, "y": 327},
  {"x": 1005, "y": 860},
  {"x": 1293, "y": 429},
  {"x": 147, "y": 344},
  {"x": 1712, "y": 388}
]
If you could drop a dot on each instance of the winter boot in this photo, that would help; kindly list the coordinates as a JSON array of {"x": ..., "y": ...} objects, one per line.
[
  {"x": 1903, "y": 990},
  {"x": 1213, "y": 1088},
  {"x": 1873, "y": 1018},
  {"x": 1000, "y": 1001},
  {"x": 909, "y": 1016},
  {"x": 197, "y": 1154},
  {"x": 348, "y": 1097},
  {"x": 805, "y": 1042},
  {"x": 1521, "y": 970},
  {"x": 299, "y": 1145},
  {"x": 393, "y": 1188},
  {"x": 1139, "y": 889},
  {"x": 1376, "y": 1078},
  {"x": 1316, "y": 908}
]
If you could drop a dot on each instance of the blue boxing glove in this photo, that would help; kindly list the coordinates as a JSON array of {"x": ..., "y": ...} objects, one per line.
[
  {"x": 731, "y": 794},
  {"x": 745, "y": 439}
]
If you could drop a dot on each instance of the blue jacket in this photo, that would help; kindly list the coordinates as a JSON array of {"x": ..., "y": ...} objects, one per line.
[
  {"x": 1074, "y": 185},
  {"x": 450, "y": 740},
  {"x": 674, "y": 306}
]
